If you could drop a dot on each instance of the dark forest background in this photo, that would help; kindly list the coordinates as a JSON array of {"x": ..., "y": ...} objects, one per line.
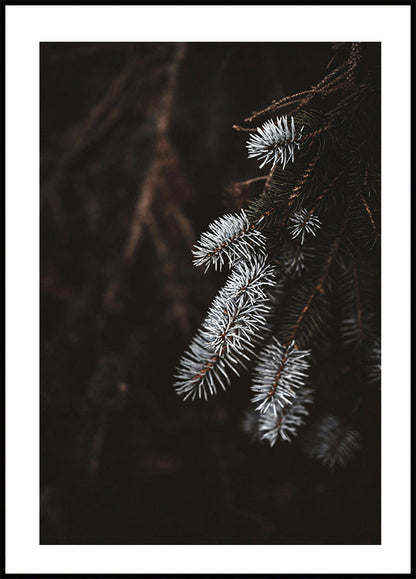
[{"x": 138, "y": 156}]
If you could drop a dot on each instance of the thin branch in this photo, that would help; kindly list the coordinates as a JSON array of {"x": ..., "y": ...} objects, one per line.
[
  {"x": 370, "y": 215},
  {"x": 318, "y": 288},
  {"x": 250, "y": 181},
  {"x": 292, "y": 198},
  {"x": 244, "y": 129},
  {"x": 275, "y": 105},
  {"x": 160, "y": 160},
  {"x": 331, "y": 83},
  {"x": 302, "y": 181}
]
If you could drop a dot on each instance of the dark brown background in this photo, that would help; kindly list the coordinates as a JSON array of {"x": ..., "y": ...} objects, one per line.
[{"x": 138, "y": 155}]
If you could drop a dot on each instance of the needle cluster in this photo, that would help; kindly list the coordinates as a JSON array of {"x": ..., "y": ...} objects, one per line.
[
  {"x": 280, "y": 372},
  {"x": 275, "y": 142}
]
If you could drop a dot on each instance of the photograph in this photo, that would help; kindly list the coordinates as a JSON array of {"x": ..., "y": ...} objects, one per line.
[{"x": 210, "y": 292}]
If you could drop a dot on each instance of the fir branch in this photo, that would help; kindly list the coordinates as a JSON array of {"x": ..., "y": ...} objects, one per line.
[
  {"x": 285, "y": 423},
  {"x": 359, "y": 112},
  {"x": 314, "y": 124},
  {"x": 301, "y": 224},
  {"x": 364, "y": 179},
  {"x": 315, "y": 317},
  {"x": 280, "y": 372},
  {"x": 332, "y": 442},
  {"x": 318, "y": 287},
  {"x": 325, "y": 192},
  {"x": 365, "y": 222},
  {"x": 335, "y": 175},
  {"x": 231, "y": 238},
  {"x": 334, "y": 81},
  {"x": 358, "y": 287},
  {"x": 275, "y": 142},
  {"x": 279, "y": 195},
  {"x": 232, "y": 328},
  {"x": 298, "y": 188},
  {"x": 240, "y": 310},
  {"x": 285, "y": 101},
  {"x": 250, "y": 280},
  {"x": 201, "y": 369},
  {"x": 234, "y": 324},
  {"x": 296, "y": 259}
]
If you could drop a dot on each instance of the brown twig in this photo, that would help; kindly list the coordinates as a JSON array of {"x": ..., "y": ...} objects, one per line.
[
  {"x": 331, "y": 83},
  {"x": 250, "y": 181},
  {"x": 275, "y": 105},
  {"x": 160, "y": 159},
  {"x": 370, "y": 215},
  {"x": 239, "y": 194},
  {"x": 277, "y": 377},
  {"x": 304, "y": 178},
  {"x": 294, "y": 195},
  {"x": 244, "y": 129},
  {"x": 163, "y": 158}
]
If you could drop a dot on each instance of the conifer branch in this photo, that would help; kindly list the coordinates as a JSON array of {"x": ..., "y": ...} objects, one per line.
[
  {"x": 299, "y": 203},
  {"x": 331, "y": 83},
  {"x": 325, "y": 192},
  {"x": 201, "y": 370},
  {"x": 359, "y": 299},
  {"x": 318, "y": 287},
  {"x": 231, "y": 238},
  {"x": 332, "y": 442},
  {"x": 250, "y": 280},
  {"x": 275, "y": 142},
  {"x": 233, "y": 324},
  {"x": 285, "y": 423},
  {"x": 297, "y": 189},
  {"x": 297, "y": 258},
  {"x": 280, "y": 372},
  {"x": 232, "y": 328},
  {"x": 283, "y": 102},
  {"x": 302, "y": 224}
]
